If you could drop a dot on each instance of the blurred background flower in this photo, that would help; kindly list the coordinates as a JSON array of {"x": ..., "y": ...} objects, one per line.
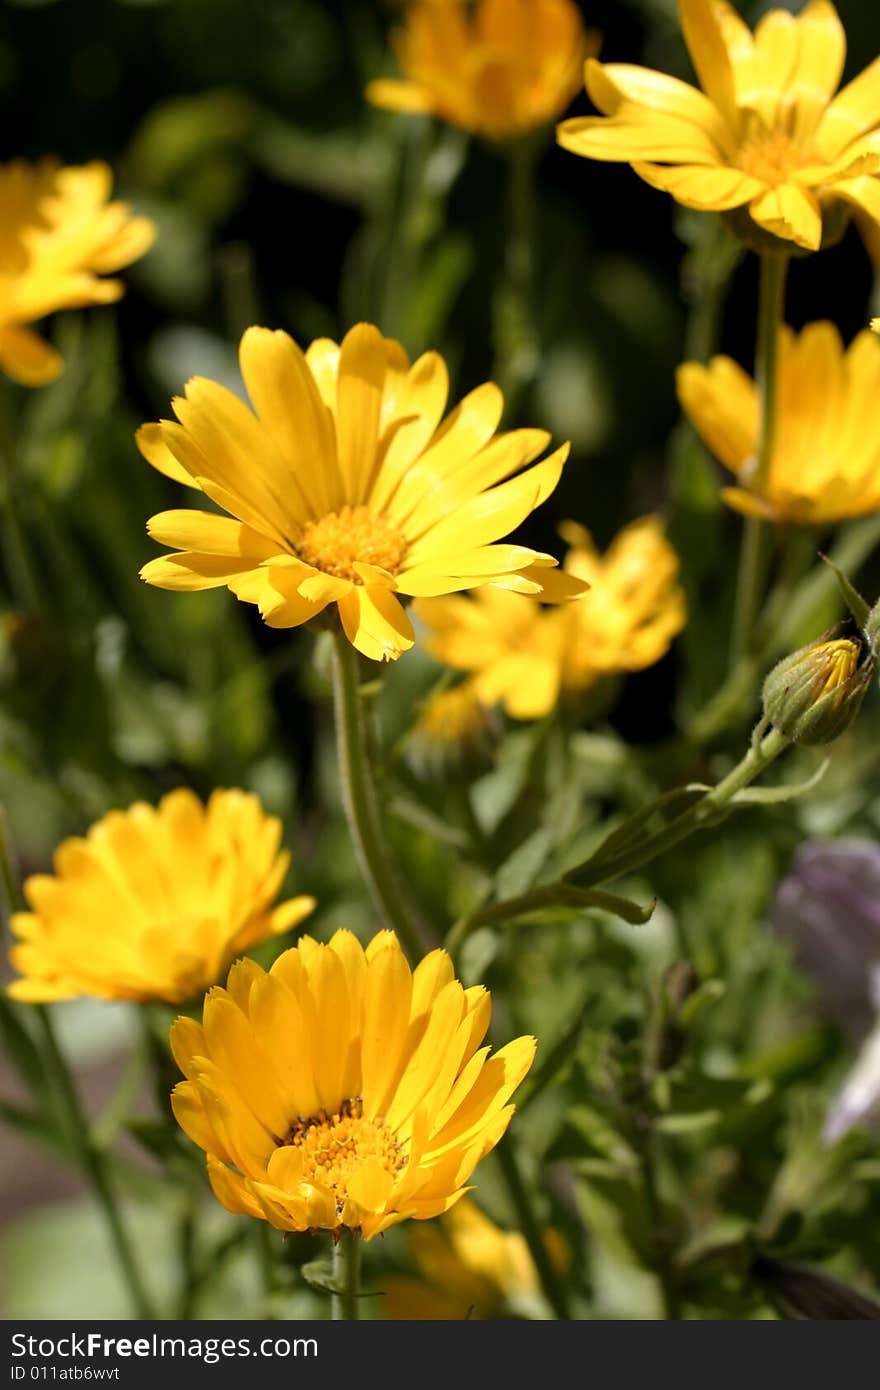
[
  {"x": 526, "y": 656},
  {"x": 469, "y": 1268},
  {"x": 828, "y": 908},
  {"x": 60, "y": 236},
  {"x": 499, "y": 68},
  {"x": 825, "y": 464},
  {"x": 155, "y": 902}
]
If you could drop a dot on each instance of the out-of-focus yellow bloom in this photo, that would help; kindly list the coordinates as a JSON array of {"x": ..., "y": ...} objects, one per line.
[
  {"x": 454, "y": 716},
  {"x": 344, "y": 487},
  {"x": 342, "y": 1088},
  {"x": 454, "y": 729},
  {"x": 826, "y": 442},
  {"x": 500, "y": 71},
  {"x": 469, "y": 1267},
  {"x": 58, "y": 236},
  {"x": 766, "y": 131},
  {"x": 524, "y": 655},
  {"x": 155, "y": 902}
]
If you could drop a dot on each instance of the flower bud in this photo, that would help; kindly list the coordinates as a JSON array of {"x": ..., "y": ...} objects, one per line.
[{"x": 814, "y": 694}]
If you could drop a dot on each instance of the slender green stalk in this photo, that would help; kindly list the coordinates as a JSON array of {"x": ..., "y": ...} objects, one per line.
[
  {"x": 346, "y": 1277},
  {"x": 91, "y": 1156},
  {"x": 551, "y": 1283},
  {"x": 360, "y": 801},
  {"x": 710, "y": 808},
  {"x": 516, "y": 337},
  {"x": 93, "y": 1161},
  {"x": 756, "y": 539},
  {"x": 8, "y": 876},
  {"x": 17, "y": 558}
]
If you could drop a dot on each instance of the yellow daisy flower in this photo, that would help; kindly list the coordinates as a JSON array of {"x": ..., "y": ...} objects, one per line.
[
  {"x": 766, "y": 132},
  {"x": 469, "y": 1266},
  {"x": 501, "y": 70},
  {"x": 155, "y": 902},
  {"x": 58, "y": 236},
  {"x": 525, "y": 656},
  {"x": 342, "y": 1088},
  {"x": 344, "y": 487},
  {"x": 825, "y": 465}
]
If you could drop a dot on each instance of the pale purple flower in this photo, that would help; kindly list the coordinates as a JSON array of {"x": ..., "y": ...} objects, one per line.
[{"x": 828, "y": 908}]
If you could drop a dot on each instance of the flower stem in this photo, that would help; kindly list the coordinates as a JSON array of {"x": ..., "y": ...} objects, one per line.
[
  {"x": 346, "y": 1277},
  {"x": 20, "y": 567},
  {"x": 551, "y": 1284},
  {"x": 516, "y": 345},
  {"x": 755, "y": 545},
  {"x": 90, "y": 1155},
  {"x": 710, "y": 808},
  {"x": 93, "y": 1161},
  {"x": 359, "y": 798}
]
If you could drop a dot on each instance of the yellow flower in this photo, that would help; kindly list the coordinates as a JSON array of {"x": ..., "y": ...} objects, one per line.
[
  {"x": 58, "y": 235},
  {"x": 155, "y": 902},
  {"x": 343, "y": 1089},
  {"x": 345, "y": 488},
  {"x": 500, "y": 71},
  {"x": 825, "y": 464},
  {"x": 468, "y": 1266},
  {"x": 766, "y": 132},
  {"x": 524, "y": 655}
]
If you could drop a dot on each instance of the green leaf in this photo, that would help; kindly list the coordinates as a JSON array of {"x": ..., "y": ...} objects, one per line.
[
  {"x": 778, "y": 796},
  {"x": 851, "y": 596},
  {"x": 802, "y": 1292},
  {"x": 636, "y": 828},
  {"x": 318, "y": 1274}
]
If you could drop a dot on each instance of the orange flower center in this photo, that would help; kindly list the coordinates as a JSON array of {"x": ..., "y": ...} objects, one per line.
[
  {"x": 772, "y": 156},
  {"x": 333, "y": 1147},
  {"x": 353, "y": 535}
]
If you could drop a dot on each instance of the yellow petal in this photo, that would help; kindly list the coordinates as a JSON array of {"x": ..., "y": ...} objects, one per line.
[
  {"x": 28, "y": 358},
  {"x": 789, "y": 212},
  {"x": 375, "y": 623},
  {"x": 289, "y": 405}
]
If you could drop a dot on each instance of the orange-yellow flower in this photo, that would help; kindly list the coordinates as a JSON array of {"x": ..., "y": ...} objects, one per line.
[
  {"x": 525, "y": 656},
  {"x": 499, "y": 71},
  {"x": 58, "y": 236},
  {"x": 825, "y": 464},
  {"x": 766, "y": 132},
  {"x": 155, "y": 902},
  {"x": 342, "y": 1088},
  {"x": 344, "y": 487},
  {"x": 469, "y": 1267}
]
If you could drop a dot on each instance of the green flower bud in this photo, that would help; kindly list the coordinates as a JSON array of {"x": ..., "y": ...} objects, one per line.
[{"x": 814, "y": 694}]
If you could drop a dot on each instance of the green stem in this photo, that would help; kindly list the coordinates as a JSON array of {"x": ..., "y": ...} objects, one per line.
[
  {"x": 755, "y": 547},
  {"x": 93, "y": 1162},
  {"x": 516, "y": 339},
  {"x": 707, "y": 811},
  {"x": 346, "y": 1277},
  {"x": 360, "y": 801},
  {"x": 20, "y": 568},
  {"x": 551, "y": 1283},
  {"x": 8, "y": 876}
]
